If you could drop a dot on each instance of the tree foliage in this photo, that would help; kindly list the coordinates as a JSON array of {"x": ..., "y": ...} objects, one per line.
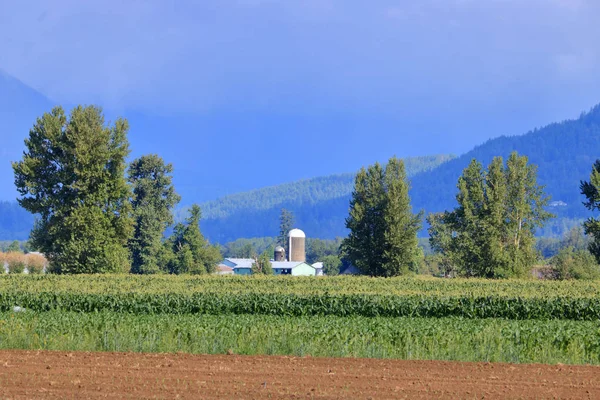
[
  {"x": 262, "y": 264},
  {"x": 153, "y": 200},
  {"x": 286, "y": 223},
  {"x": 331, "y": 265},
  {"x": 191, "y": 252},
  {"x": 591, "y": 191},
  {"x": 570, "y": 263},
  {"x": 491, "y": 232},
  {"x": 14, "y": 247},
  {"x": 383, "y": 229},
  {"x": 72, "y": 176}
]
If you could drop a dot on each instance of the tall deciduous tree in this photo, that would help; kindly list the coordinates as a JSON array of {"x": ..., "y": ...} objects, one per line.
[
  {"x": 286, "y": 223},
  {"x": 491, "y": 232},
  {"x": 591, "y": 191},
  {"x": 401, "y": 252},
  {"x": 192, "y": 252},
  {"x": 383, "y": 229},
  {"x": 72, "y": 176},
  {"x": 153, "y": 200}
]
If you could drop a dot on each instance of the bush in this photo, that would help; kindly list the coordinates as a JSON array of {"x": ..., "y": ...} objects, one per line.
[
  {"x": 575, "y": 264},
  {"x": 35, "y": 263},
  {"x": 16, "y": 262}
]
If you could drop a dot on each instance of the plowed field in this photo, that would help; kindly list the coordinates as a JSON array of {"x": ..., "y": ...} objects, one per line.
[{"x": 57, "y": 375}]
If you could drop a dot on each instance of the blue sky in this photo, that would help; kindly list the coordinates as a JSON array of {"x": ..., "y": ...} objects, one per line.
[{"x": 362, "y": 79}]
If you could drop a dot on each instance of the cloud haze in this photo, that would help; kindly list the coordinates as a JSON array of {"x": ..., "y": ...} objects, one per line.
[{"x": 319, "y": 55}]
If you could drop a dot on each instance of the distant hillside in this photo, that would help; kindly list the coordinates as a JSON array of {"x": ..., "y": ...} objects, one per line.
[
  {"x": 564, "y": 153},
  {"x": 15, "y": 222},
  {"x": 19, "y": 107},
  {"x": 319, "y": 205}
]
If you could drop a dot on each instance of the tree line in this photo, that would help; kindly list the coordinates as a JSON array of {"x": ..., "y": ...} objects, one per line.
[{"x": 96, "y": 213}]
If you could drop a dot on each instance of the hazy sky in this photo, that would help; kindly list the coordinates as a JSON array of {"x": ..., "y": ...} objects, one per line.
[{"x": 418, "y": 76}]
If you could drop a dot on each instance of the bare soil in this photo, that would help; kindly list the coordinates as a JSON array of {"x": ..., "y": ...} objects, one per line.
[{"x": 59, "y": 375}]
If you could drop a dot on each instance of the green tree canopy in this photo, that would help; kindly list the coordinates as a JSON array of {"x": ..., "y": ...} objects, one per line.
[
  {"x": 153, "y": 200},
  {"x": 14, "y": 247},
  {"x": 491, "y": 232},
  {"x": 383, "y": 229},
  {"x": 331, "y": 265},
  {"x": 192, "y": 254},
  {"x": 72, "y": 176},
  {"x": 591, "y": 191},
  {"x": 286, "y": 223},
  {"x": 262, "y": 264}
]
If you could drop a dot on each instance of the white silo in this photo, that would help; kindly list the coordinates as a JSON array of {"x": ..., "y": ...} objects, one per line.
[{"x": 297, "y": 245}]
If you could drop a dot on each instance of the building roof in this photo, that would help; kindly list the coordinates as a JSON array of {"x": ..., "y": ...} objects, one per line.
[
  {"x": 318, "y": 265},
  {"x": 240, "y": 262},
  {"x": 247, "y": 263},
  {"x": 287, "y": 264}
]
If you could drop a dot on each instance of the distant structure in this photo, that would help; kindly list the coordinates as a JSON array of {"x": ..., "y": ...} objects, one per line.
[
  {"x": 243, "y": 266},
  {"x": 297, "y": 245},
  {"x": 279, "y": 254},
  {"x": 296, "y": 265}
]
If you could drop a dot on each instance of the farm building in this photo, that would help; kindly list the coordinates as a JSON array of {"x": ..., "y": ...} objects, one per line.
[
  {"x": 296, "y": 266},
  {"x": 243, "y": 266}
]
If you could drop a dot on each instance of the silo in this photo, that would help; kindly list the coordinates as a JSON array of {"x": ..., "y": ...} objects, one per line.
[
  {"x": 297, "y": 245},
  {"x": 279, "y": 254}
]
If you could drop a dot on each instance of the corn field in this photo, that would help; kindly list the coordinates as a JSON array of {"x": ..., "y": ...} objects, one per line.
[
  {"x": 285, "y": 296},
  {"x": 406, "y": 338},
  {"x": 408, "y": 318}
]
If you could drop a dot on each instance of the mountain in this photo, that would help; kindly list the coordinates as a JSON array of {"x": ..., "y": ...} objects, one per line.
[
  {"x": 320, "y": 205},
  {"x": 208, "y": 163},
  {"x": 564, "y": 153},
  {"x": 19, "y": 107},
  {"x": 15, "y": 222}
]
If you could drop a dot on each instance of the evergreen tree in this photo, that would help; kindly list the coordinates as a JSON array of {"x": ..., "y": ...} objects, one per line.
[
  {"x": 491, "y": 232},
  {"x": 286, "y": 223},
  {"x": 192, "y": 254},
  {"x": 591, "y": 191},
  {"x": 153, "y": 200},
  {"x": 14, "y": 247},
  {"x": 383, "y": 229},
  {"x": 72, "y": 176}
]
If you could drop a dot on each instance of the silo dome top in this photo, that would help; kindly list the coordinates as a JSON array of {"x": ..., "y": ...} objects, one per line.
[
  {"x": 279, "y": 249},
  {"x": 296, "y": 233}
]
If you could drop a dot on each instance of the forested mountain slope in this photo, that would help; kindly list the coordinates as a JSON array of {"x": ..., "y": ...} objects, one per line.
[
  {"x": 319, "y": 205},
  {"x": 15, "y": 222},
  {"x": 564, "y": 153}
]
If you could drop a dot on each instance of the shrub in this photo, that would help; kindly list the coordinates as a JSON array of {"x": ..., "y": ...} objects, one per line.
[
  {"x": 16, "y": 262},
  {"x": 35, "y": 263},
  {"x": 575, "y": 264}
]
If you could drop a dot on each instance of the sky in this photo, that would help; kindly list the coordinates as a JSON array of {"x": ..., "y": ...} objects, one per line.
[{"x": 358, "y": 81}]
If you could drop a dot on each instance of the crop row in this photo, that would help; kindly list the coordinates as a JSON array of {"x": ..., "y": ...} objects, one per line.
[
  {"x": 63, "y": 293},
  {"x": 404, "y": 286},
  {"x": 407, "y": 338}
]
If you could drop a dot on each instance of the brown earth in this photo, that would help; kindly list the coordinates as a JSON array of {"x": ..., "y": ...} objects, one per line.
[{"x": 59, "y": 375}]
